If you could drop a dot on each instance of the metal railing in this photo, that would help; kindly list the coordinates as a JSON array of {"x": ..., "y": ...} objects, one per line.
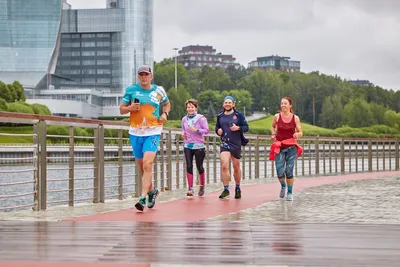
[{"x": 43, "y": 174}]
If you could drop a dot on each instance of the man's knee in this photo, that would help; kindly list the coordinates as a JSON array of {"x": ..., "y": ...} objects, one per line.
[
  {"x": 148, "y": 165},
  {"x": 225, "y": 167},
  {"x": 236, "y": 167}
]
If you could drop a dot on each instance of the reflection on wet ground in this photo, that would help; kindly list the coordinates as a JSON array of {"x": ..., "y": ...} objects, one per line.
[{"x": 202, "y": 243}]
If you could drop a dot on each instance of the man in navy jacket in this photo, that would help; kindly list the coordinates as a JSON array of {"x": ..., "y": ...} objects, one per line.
[{"x": 230, "y": 126}]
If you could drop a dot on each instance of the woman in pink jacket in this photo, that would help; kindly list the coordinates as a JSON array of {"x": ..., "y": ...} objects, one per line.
[{"x": 194, "y": 127}]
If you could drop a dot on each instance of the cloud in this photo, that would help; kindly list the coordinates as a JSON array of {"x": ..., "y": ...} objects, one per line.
[{"x": 356, "y": 39}]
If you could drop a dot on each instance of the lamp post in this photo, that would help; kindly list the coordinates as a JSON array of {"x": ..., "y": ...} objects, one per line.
[
  {"x": 244, "y": 108},
  {"x": 176, "y": 69}
]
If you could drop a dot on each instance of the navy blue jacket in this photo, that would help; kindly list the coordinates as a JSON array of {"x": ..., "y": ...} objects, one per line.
[{"x": 244, "y": 127}]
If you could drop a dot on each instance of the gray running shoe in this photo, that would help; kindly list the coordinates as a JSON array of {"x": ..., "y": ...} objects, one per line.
[
  {"x": 282, "y": 193},
  {"x": 289, "y": 197}
]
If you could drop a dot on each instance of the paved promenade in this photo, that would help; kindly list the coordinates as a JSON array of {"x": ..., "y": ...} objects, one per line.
[{"x": 350, "y": 220}]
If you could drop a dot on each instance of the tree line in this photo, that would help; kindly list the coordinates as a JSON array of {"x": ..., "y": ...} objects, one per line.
[{"x": 319, "y": 99}]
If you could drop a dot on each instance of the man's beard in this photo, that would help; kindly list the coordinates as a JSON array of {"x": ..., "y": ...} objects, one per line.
[{"x": 227, "y": 109}]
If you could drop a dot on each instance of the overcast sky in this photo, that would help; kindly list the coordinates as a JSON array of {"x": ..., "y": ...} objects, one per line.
[{"x": 355, "y": 39}]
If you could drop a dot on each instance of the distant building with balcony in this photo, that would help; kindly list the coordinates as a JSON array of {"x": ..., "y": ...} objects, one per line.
[
  {"x": 198, "y": 56},
  {"x": 275, "y": 63},
  {"x": 361, "y": 82}
]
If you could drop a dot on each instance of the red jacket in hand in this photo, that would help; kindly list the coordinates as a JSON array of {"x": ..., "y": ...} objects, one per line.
[{"x": 276, "y": 147}]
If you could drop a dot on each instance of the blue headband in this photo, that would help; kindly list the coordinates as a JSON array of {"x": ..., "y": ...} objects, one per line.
[{"x": 230, "y": 98}]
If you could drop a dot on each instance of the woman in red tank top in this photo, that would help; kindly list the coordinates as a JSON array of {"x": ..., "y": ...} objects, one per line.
[{"x": 286, "y": 128}]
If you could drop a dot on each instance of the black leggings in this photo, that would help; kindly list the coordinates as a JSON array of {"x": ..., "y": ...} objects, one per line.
[{"x": 199, "y": 155}]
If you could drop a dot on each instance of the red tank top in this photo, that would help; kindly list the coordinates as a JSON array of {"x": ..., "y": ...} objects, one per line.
[{"x": 285, "y": 130}]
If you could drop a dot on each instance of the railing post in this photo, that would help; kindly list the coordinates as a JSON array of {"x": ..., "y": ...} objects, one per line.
[
  {"x": 169, "y": 156},
  {"x": 397, "y": 154},
  {"x": 101, "y": 163},
  {"x": 342, "y": 167},
  {"x": 71, "y": 166},
  {"x": 207, "y": 160},
  {"x": 96, "y": 170},
  {"x": 215, "y": 158},
  {"x": 243, "y": 160},
  {"x": 120, "y": 165},
  {"x": 317, "y": 155},
  {"x": 43, "y": 164},
  {"x": 177, "y": 163},
  {"x": 369, "y": 155},
  {"x": 162, "y": 157},
  {"x": 36, "y": 165},
  {"x": 257, "y": 158}
]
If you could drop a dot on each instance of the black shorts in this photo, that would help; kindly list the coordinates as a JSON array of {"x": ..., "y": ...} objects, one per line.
[{"x": 236, "y": 153}]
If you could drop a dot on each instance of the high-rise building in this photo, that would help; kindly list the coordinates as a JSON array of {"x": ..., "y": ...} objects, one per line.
[
  {"x": 77, "y": 62},
  {"x": 275, "y": 63},
  {"x": 198, "y": 56}
]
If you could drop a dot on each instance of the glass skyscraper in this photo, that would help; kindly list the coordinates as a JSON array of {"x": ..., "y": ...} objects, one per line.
[
  {"x": 74, "y": 58},
  {"x": 29, "y": 30}
]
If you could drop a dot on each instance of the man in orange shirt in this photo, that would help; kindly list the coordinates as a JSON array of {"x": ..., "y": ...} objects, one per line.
[{"x": 143, "y": 101}]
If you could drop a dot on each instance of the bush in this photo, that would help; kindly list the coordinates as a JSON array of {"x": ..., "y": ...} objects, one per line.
[
  {"x": 20, "y": 107},
  {"x": 57, "y": 130},
  {"x": 360, "y": 134},
  {"x": 380, "y": 129},
  {"x": 3, "y": 105},
  {"x": 261, "y": 131},
  {"x": 40, "y": 109}
]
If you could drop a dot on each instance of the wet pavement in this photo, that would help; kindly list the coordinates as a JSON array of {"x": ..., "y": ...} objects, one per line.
[
  {"x": 350, "y": 220},
  {"x": 366, "y": 201},
  {"x": 202, "y": 242}
]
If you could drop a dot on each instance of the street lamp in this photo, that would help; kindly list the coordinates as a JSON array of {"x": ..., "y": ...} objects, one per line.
[{"x": 176, "y": 70}]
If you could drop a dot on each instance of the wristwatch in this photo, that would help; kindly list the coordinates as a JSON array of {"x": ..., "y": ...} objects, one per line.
[{"x": 166, "y": 113}]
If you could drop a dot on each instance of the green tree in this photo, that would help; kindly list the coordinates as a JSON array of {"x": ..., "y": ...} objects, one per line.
[
  {"x": 210, "y": 102},
  {"x": 236, "y": 73},
  {"x": 257, "y": 84},
  {"x": 164, "y": 74},
  {"x": 178, "y": 99},
  {"x": 378, "y": 113},
  {"x": 5, "y": 92},
  {"x": 13, "y": 93},
  {"x": 3, "y": 105},
  {"x": 19, "y": 90},
  {"x": 332, "y": 112},
  {"x": 215, "y": 79},
  {"x": 243, "y": 99},
  {"x": 357, "y": 113},
  {"x": 392, "y": 119}
]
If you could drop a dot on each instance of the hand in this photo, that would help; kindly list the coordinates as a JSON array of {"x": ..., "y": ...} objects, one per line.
[
  {"x": 134, "y": 107},
  {"x": 273, "y": 137},
  {"x": 219, "y": 132},
  {"x": 234, "y": 128},
  {"x": 163, "y": 118},
  {"x": 192, "y": 129},
  {"x": 296, "y": 135},
  {"x": 184, "y": 135}
]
